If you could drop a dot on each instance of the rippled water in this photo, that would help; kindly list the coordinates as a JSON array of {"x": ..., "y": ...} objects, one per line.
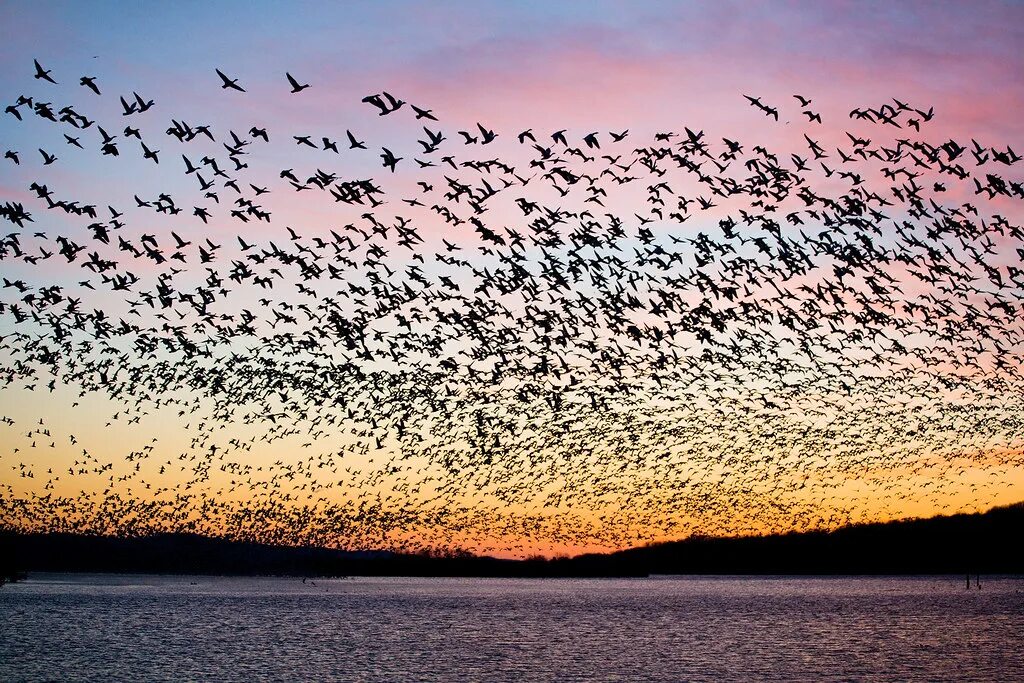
[{"x": 148, "y": 628}]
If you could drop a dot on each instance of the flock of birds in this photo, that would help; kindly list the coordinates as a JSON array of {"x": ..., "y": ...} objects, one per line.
[{"x": 508, "y": 339}]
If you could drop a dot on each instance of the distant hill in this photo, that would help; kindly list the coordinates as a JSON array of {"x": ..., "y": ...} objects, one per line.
[{"x": 985, "y": 543}]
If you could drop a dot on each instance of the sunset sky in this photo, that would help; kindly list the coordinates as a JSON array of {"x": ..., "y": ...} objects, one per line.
[{"x": 715, "y": 448}]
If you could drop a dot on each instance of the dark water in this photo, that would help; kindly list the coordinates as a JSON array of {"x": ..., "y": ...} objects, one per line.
[{"x": 148, "y": 628}]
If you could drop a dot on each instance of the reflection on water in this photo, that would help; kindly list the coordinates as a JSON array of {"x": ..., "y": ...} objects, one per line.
[{"x": 143, "y": 628}]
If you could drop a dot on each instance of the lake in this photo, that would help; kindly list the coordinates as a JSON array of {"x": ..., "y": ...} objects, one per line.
[{"x": 176, "y": 628}]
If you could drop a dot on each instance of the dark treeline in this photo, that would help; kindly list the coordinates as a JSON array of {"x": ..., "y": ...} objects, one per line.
[
  {"x": 940, "y": 545},
  {"x": 985, "y": 542}
]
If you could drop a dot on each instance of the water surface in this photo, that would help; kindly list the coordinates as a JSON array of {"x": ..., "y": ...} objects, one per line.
[{"x": 163, "y": 628}]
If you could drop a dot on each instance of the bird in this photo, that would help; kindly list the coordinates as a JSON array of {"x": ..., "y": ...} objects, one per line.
[
  {"x": 150, "y": 154},
  {"x": 42, "y": 74},
  {"x": 90, "y": 83},
  {"x": 423, "y": 113},
  {"x": 352, "y": 142},
  {"x": 128, "y": 107},
  {"x": 486, "y": 136},
  {"x": 390, "y": 160},
  {"x": 294, "y": 84},
  {"x": 228, "y": 82}
]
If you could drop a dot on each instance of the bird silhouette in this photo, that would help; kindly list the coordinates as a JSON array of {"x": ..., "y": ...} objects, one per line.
[
  {"x": 295, "y": 84},
  {"x": 90, "y": 83},
  {"x": 42, "y": 74},
  {"x": 228, "y": 82}
]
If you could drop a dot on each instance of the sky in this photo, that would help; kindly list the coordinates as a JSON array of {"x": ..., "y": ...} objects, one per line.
[{"x": 663, "y": 461}]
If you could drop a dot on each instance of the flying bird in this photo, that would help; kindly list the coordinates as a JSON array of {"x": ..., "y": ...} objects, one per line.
[
  {"x": 90, "y": 83},
  {"x": 423, "y": 113},
  {"x": 295, "y": 84},
  {"x": 228, "y": 82},
  {"x": 43, "y": 74}
]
